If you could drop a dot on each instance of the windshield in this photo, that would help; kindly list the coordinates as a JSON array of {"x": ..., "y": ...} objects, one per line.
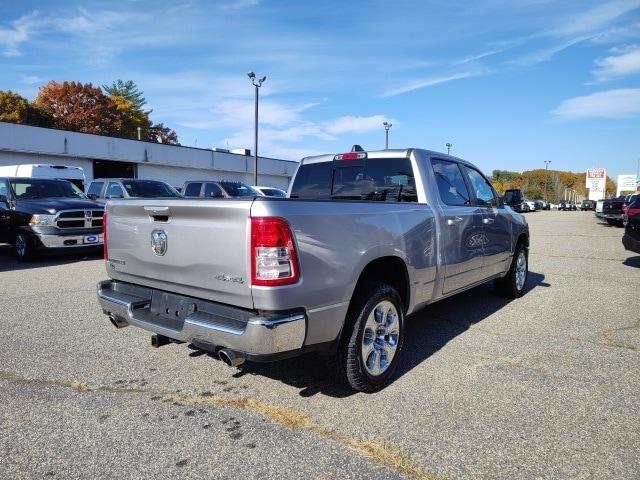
[
  {"x": 238, "y": 189},
  {"x": 27, "y": 189},
  {"x": 149, "y": 189}
]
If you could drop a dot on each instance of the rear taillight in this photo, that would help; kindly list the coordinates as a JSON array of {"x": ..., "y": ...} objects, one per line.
[
  {"x": 274, "y": 260},
  {"x": 632, "y": 212},
  {"x": 104, "y": 236}
]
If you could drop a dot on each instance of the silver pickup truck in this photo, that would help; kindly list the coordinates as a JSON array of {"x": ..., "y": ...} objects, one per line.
[{"x": 364, "y": 239}]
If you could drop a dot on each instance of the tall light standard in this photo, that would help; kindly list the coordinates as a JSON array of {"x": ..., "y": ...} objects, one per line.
[
  {"x": 546, "y": 168},
  {"x": 448, "y": 145},
  {"x": 257, "y": 84},
  {"x": 387, "y": 126}
]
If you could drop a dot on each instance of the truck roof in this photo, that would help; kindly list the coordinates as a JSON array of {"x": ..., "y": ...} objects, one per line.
[{"x": 389, "y": 153}]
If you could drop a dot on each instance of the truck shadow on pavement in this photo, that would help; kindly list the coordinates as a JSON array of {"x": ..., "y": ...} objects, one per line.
[
  {"x": 427, "y": 331},
  {"x": 632, "y": 262},
  {"x": 9, "y": 262}
]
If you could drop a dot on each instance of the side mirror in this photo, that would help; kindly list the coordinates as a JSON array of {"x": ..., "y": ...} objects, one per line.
[
  {"x": 4, "y": 199},
  {"x": 92, "y": 196},
  {"x": 216, "y": 195}
]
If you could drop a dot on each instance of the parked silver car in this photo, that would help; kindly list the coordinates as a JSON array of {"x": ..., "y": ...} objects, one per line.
[{"x": 365, "y": 239}]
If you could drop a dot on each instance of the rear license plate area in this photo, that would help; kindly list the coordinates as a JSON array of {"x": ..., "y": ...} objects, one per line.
[{"x": 170, "y": 306}]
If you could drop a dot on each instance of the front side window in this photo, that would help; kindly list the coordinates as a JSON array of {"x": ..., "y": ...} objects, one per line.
[
  {"x": 238, "y": 189},
  {"x": 483, "y": 191},
  {"x": 211, "y": 190},
  {"x": 95, "y": 188},
  {"x": 451, "y": 186},
  {"x": 114, "y": 191}
]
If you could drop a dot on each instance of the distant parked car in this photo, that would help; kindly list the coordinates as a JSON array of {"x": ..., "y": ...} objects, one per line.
[
  {"x": 532, "y": 205},
  {"x": 632, "y": 210},
  {"x": 544, "y": 205},
  {"x": 103, "y": 189},
  {"x": 567, "y": 205},
  {"x": 271, "y": 191},
  {"x": 628, "y": 201},
  {"x": 218, "y": 189},
  {"x": 587, "y": 205}
]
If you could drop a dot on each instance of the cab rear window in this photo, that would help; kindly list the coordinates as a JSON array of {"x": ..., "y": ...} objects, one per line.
[{"x": 383, "y": 180}]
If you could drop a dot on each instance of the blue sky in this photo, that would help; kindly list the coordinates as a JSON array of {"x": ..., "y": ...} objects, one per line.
[{"x": 509, "y": 83}]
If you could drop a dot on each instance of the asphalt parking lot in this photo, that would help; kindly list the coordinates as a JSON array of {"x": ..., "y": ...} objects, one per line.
[{"x": 545, "y": 386}]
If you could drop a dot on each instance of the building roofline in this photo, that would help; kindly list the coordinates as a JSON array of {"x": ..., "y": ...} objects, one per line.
[{"x": 140, "y": 141}]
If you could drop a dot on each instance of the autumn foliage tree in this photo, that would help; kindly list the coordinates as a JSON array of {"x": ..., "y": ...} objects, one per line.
[
  {"x": 83, "y": 107},
  {"x": 80, "y": 107},
  {"x": 15, "y": 108}
]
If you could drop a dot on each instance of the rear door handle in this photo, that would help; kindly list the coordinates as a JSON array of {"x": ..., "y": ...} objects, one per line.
[
  {"x": 488, "y": 221},
  {"x": 454, "y": 220}
]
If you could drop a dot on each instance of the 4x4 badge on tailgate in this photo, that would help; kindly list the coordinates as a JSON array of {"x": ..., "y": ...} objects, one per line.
[{"x": 159, "y": 242}]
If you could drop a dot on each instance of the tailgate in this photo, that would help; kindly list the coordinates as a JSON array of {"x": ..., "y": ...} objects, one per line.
[{"x": 206, "y": 247}]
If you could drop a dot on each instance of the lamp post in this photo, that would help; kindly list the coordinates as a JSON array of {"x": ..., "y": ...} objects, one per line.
[
  {"x": 448, "y": 145},
  {"x": 546, "y": 168},
  {"x": 387, "y": 126},
  {"x": 257, "y": 84}
]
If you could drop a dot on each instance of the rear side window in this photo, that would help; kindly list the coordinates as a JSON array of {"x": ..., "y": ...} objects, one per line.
[
  {"x": 383, "y": 180},
  {"x": 95, "y": 188},
  {"x": 192, "y": 190},
  {"x": 451, "y": 186}
]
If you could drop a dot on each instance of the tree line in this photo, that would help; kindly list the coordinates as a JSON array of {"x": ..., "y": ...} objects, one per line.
[
  {"x": 541, "y": 183},
  {"x": 116, "y": 110}
]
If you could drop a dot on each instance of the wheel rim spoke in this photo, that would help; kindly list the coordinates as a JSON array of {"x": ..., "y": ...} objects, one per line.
[{"x": 380, "y": 338}]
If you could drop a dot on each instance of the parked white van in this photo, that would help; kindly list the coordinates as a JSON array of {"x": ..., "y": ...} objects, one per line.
[{"x": 61, "y": 172}]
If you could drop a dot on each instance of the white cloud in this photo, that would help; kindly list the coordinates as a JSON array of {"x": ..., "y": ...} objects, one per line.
[
  {"x": 429, "y": 82},
  {"x": 30, "y": 79},
  {"x": 240, "y": 4},
  {"x": 596, "y": 18},
  {"x": 18, "y": 33},
  {"x": 627, "y": 62},
  {"x": 353, "y": 124},
  {"x": 619, "y": 103},
  {"x": 544, "y": 54}
]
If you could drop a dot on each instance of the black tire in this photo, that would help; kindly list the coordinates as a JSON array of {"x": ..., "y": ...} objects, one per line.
[
  {"x": 508, "y": 285},
  {"x": 24, "y": 247},
  {"x": 348, "y": 364}
]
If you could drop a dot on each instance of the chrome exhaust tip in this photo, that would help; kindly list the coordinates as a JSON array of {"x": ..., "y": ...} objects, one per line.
[
  {"x": 118, "y": 322},
  {"x": 230, "y": 357}
]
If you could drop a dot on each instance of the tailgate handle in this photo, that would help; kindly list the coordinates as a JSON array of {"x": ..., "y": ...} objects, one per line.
[{"x": 159, "y": 214}]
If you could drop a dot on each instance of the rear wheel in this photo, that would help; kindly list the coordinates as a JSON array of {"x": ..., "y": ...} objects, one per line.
[
  {"x": 24, "y": 247},
  {"x": 512, "y": 285},
  {"x": 372, "y": 342}
]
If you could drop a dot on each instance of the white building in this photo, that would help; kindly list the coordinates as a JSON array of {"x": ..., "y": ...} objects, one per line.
[{"x": 101, "y": 156}]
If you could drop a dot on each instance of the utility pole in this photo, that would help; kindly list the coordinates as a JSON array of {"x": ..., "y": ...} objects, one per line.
[
  {"x": 448, "y": 145},
  {"x": 387, "y": 126},
  {"x": 252, "y": 77}
]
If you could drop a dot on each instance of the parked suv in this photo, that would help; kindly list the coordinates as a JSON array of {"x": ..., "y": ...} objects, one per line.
[
  {"x": 103, "y": 189},
  {"x": 218, "y": 189},
  {"x": 47, "y": 214}
]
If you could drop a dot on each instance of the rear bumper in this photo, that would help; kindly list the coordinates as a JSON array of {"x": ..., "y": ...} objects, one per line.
[
  {"x": 613, "y": 216},
  {"x": 202, "y": 322}
]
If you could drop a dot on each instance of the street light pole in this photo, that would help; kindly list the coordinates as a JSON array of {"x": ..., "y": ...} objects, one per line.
[
  {"x": 252, "y": 77},
  {"x": 546, "y": 168},
  {"x": 448, "y": 145},
  {"x": 387, "y": 126}
]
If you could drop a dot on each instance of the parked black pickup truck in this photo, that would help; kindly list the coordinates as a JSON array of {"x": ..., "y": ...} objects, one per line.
[
  {"x": 45, "y": 214},
  {"x": 612, "y": 211}
]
